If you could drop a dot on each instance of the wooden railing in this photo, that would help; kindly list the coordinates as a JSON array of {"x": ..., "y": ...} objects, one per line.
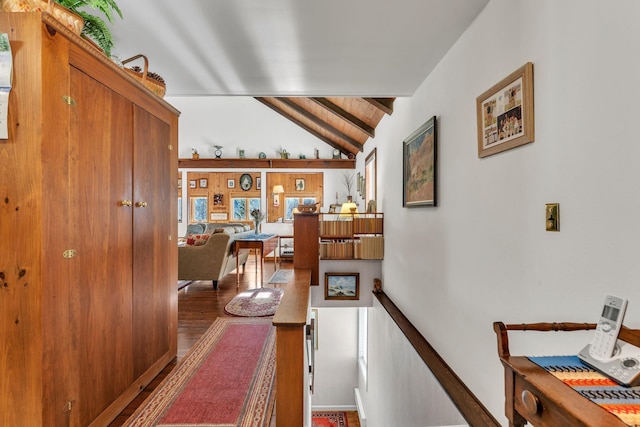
[
  {"x": 290, "y": 321},
  {"x": 465, "y": 401}
]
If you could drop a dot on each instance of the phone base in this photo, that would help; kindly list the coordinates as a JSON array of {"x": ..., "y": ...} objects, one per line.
[{"x": 623, "y": 367}]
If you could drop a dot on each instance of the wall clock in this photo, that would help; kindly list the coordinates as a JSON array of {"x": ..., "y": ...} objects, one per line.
[
  {"x": 336, "y": 153},
  {"x": 246, "y": 181},
  {"x": 262, "y": 155}
]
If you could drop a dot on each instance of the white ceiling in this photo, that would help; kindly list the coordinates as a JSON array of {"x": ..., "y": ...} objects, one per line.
[{"x": 376, "y": 48}]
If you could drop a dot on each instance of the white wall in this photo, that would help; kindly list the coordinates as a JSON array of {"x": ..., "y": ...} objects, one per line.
[
  {"x": 483, "y": 254},
  {"x": 336, "y": 370}
]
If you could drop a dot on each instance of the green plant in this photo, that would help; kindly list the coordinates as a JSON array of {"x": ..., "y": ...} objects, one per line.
[{"x": 94, "y": 26}]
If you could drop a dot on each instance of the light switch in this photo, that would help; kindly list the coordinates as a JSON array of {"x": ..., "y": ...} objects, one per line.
[{"x": 552, "y": 216}]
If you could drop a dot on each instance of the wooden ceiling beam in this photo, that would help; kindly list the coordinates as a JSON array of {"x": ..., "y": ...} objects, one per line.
[
  {"x": 312, "y": 131},
  {"x": 382, "y": 104},
  {"x": 315, "y": 120},
  {"x": 345, "y": 116}
]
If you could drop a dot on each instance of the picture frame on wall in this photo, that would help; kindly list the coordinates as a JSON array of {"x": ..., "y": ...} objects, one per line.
[
  {"x": 192, "y": 183},
  {"x": 231, "y": 183},
  {"x": 258, "y": 183},
  {"x": 505, "y": 113},
  {"x": 342, "y": 286},
  {"x": 419, "y": 161},
  {"x": 203, "y": 183},
  {"x": 299, "y": 184}
]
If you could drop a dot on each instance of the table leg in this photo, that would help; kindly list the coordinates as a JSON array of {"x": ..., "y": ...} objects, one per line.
[
  {"x": 261, "y": 267},
  {"x": 236, "y": 253}
]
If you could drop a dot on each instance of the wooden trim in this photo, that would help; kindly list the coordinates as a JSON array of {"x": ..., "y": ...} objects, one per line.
[
  {"x": 473, "y": 411},
  {"x": 267, "y": 163},
  {"x": 383, "y": 104},
  {"x": 290, "y": 320}
]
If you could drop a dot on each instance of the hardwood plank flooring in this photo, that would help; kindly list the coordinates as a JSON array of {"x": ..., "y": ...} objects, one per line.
[{"x": 199, "y": 305}]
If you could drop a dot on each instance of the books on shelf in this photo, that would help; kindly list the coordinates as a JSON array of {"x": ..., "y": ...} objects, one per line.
[{"x": 369, "y": 247}]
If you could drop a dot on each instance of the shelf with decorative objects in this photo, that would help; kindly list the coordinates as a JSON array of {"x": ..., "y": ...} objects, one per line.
[
  {"x": 351, "y": 235},
  {"x": 214, "y": 163}
]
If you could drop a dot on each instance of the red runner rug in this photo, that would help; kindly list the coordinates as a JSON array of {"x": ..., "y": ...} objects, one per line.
[
  {"x": 329, "y": 419},
  {"x": 226, "y": 379}
]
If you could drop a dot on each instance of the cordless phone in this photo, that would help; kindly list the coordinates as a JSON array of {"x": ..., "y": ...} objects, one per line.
[
  {"x": 609, "y": 324},
  {"x": 614, "y": 358}
]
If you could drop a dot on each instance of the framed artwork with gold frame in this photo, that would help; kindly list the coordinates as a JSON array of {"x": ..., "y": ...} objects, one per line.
[{"x": 505, "y": 113}]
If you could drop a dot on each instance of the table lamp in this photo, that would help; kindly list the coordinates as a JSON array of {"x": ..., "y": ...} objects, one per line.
[{"x": 349, "y": 209}]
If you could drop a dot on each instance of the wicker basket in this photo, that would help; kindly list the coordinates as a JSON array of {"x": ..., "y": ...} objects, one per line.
[
  {"x": 155, "y": 84},
  {"x": 69, "y": 19}
]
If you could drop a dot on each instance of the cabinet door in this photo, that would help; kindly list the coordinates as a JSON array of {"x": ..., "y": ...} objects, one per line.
[
  {"x": 154, "y": 206},
  {"x": 100, "y": 306}
]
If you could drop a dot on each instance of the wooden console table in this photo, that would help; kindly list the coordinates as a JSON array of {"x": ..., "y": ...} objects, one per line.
[
  {"x": 263, "y": 243},
  {"x": 533, "y": 395}
]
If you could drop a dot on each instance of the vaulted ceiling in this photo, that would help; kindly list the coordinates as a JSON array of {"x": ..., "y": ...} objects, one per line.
[
  {"x": 333, "y": 67},
  {"x": 342, "y": 123}
]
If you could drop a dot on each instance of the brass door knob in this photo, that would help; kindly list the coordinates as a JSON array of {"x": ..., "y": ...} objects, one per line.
[
  {"x": 141, "y": 204},
  {"x": 125, "y": 203}
]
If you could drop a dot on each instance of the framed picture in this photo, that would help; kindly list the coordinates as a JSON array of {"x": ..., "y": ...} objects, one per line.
[
  {"x": 505, "y": 113},
  {"x": 258, "y": 183},
  {"x": 179, "y": 182},
  {"x": 218, "y": 216},
  {"x": 192, "y": 183},
  {"x": 419, "y": 163},
  {"x": 203, "y": 183},
  {"x": 231, "y": 183},
  {"x": 299, "y": 184},
  {"x": 341, "y": 286}
]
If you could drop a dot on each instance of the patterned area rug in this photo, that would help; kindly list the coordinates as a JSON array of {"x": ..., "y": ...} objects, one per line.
[
  {"x": 255, "y": 302},
  {"x": 226, "y": 379},
  {"x": 329, "y": 419},
  {"x": 281, "y": 276},
  {"x": 624, "y": 402}
]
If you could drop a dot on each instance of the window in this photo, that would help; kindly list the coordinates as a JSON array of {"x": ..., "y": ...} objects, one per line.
[
  {"x": 293, "y": 202},
  {"x": 240, "y": 211},
  {"x": 179, "y": 209},
  {"x": 199, "y": 209},
  {"x": 370, "y": 179},
  {"x": 362, "y": 340}
]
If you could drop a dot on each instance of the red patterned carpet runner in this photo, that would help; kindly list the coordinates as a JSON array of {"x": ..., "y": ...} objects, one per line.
[
  {"x": 226, "y": 379},
  {"x": 329, "y": 419},
  {"x": 624, "y": 402}
]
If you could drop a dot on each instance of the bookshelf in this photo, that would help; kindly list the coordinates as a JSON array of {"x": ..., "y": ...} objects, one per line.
[{"x": 355, "y": 235}]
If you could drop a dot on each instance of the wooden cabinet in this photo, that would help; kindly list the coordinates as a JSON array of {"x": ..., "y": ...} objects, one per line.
[
  {"x": 305, "y": 240},
  {"x": 351, "y": 236},
  {"x": 88, "y": 272}
]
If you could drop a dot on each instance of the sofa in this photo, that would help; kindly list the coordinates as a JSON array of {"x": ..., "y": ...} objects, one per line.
[{"x": 205, "y": 253}]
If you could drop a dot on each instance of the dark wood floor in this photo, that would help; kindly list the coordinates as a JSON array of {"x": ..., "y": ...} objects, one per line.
[{"x": 198, "y": 306}]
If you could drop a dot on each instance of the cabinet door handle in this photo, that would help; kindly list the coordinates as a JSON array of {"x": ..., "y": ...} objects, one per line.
[
  {"x": 141, "y": 204},
  {"x": 125, "y": 203}
]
